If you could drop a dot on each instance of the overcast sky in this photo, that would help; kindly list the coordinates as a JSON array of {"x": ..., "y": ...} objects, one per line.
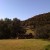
[{"x": 23, "y": 9}]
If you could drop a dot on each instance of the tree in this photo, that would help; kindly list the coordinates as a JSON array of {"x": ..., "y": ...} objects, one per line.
[{"x": 11, "y": 28}]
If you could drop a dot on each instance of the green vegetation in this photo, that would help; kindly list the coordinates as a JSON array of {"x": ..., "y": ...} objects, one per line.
[
  {"x": 47, "y": 47},
  {"x": 23, "y": 44},
  {"x": 10, "y": 29},
  {"x": 35, "y": 27}
]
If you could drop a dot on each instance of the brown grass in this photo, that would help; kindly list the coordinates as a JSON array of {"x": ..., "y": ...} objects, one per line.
[{"x": 23, "y": 44}]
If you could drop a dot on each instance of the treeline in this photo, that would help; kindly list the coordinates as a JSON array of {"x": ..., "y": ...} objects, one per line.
[
  {"x": 10, "y": 29},
  {"x": 40, "y": 25}
]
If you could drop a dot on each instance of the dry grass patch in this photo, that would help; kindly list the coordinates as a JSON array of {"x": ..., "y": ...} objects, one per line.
[{"x": 23, "y": 44}]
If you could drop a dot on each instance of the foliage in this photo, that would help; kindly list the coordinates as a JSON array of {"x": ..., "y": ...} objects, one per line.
[
  {"x": 39, "y": 24},
  {"x": 10, "y": 28}
]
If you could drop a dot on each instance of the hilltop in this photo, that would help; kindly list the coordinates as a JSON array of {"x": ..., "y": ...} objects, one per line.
[{"x": 42, "y": 19}]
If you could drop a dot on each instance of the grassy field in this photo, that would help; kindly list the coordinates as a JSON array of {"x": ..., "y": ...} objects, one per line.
[{"x": 23, "y": 44}]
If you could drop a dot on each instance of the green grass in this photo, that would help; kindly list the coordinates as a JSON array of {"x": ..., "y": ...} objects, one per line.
[{"x": 23, "y": 44}]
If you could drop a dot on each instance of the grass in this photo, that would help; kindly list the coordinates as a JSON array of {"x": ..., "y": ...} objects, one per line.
[
  {"x": 29, "y": 31},
  {"x": 23, "y": 44},
  {"x": 47, "y": 47}
]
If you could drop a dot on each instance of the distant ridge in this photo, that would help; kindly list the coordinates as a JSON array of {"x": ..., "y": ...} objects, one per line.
[{"x": 41, "y": 17}]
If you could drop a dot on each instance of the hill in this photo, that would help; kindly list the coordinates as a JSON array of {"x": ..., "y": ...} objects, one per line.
[
  {"x": 40, "y": 24},
  {"x": 41, "y": 19}
]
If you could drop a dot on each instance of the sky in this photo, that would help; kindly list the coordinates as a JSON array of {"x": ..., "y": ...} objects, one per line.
[{"x": 23, "y": 9}]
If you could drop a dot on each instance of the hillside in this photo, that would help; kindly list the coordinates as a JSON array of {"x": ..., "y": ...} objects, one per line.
[
  {"x": 40, "y": 24},
  {"x": 37, "y": 20},
  {"x": 35, "y": 27}
]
